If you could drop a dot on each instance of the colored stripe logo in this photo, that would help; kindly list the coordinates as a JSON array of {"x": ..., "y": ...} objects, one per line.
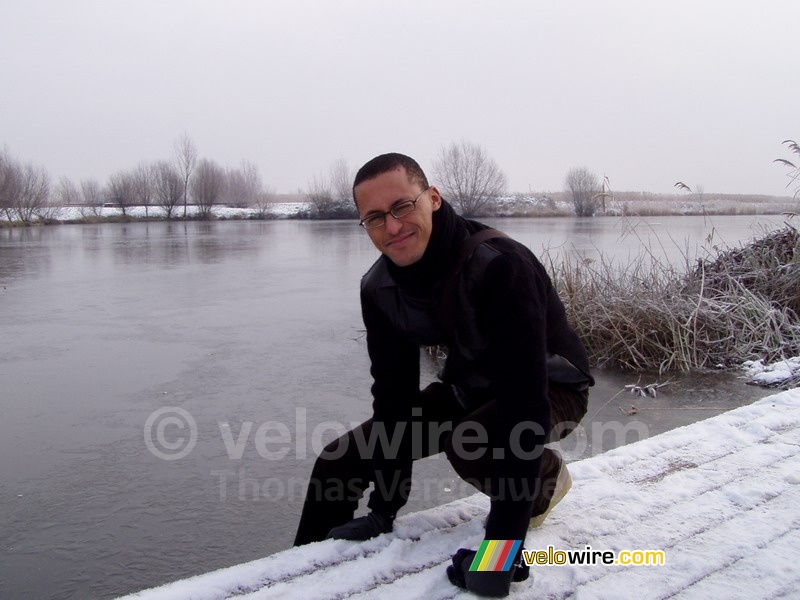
[{"x": 495, "y": 555}]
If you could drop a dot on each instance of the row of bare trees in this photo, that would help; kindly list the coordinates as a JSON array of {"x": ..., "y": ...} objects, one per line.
[
  {"x": 26, "y": 192},
  {"x": 158, "y": 183},
  {"x": 467, "y": 176},
  {"x": 170, "y": 183}
]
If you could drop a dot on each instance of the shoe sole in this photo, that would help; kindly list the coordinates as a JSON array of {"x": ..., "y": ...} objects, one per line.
[{"x": 563, "y": 485}]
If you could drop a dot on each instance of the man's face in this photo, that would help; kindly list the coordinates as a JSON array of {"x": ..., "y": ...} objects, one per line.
[{"x": 402, "y": 240}]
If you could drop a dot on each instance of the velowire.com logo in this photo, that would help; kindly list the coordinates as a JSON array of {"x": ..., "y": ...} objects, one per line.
[{"x": 495, "y": 555}]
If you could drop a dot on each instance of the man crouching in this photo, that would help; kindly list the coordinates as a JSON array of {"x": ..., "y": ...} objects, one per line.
[{"x": 516, "y": 373}]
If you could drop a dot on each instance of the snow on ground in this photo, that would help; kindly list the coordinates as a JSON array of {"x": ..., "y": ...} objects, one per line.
[
  {"x": 720, "y": 497},
  {"x": 781, "y": 373}
]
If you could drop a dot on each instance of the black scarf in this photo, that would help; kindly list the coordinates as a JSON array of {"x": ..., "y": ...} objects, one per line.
[{"x": 447, "y": 237}]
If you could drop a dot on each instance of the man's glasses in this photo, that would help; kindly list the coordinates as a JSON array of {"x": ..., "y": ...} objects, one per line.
[{"x": 398, "y": 211}]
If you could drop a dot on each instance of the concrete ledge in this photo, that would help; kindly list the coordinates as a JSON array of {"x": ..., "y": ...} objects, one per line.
[{"x": 720, "y": 497}]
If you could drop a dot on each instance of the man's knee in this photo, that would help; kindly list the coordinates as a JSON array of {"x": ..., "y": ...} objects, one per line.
[
  {"x": 567, "y": 408},
  {"x": 341, "y": 457}
]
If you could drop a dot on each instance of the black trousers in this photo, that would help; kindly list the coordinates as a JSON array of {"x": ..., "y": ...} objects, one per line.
[{"x": 344, "y": 470}]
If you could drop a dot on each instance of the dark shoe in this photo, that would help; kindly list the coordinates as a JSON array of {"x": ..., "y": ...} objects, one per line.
[
  {"x": 362, "y": 528},
  {"x": 494, "y": 584},
  {"x": 556, "y": 482}
]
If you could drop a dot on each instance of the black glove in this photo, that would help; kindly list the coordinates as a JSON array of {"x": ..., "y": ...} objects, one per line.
[
  {"x": 495, "y": 584},
  {"x": 362, "y": 528}
]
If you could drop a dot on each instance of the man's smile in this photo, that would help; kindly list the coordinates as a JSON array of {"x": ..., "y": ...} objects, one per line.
[{"x": 401, "y": 239}]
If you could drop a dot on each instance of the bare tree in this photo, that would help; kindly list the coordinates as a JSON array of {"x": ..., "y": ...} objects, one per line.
[
  {"x": 33, "y": 193},
  {"x": 186, "y": 161},
  {"x": 468, "y": 177},
  {"x": 144, "y": 186},
  {"x": 91, "y": 197},
  {"x": 9, "y": 182},
  {"x": 121, "y": 190},
  {"x": 244, "y": 185},
  {"x": 208, "y": 186},
  {"x": 584, "y": 187},
  {"x": 341, "y": 179},
  {"x": 331, "y": 195},
  {"x": 320, "y": 195},
  {"x": 264, "y": 202},
  {"x": 67, "y": 193},
  {"x": 168, "y": 187}
]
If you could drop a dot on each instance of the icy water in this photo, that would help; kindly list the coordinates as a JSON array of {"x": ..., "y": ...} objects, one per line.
[{"x": 164, "y": 387}]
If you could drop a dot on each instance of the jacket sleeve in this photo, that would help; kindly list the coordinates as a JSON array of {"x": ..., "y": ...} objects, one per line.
[{"x": 395, "y": 372}]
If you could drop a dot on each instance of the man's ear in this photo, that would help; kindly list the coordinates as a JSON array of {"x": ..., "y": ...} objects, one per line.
[{"x": 436, "y": 198}]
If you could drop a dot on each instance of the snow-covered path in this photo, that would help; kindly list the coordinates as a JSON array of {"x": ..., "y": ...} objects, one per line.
[{"x": 720, "y": 497}]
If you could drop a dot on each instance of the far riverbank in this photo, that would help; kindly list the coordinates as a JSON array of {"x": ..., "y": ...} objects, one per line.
[{"x": 553, "y": 204}]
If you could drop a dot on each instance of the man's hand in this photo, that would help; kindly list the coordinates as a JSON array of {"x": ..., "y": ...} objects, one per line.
[
  {"x": 495, "y": 584},
  {"x": 362, "y": 528}
]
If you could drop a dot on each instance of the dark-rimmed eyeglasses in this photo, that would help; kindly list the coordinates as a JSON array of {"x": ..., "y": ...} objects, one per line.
[{"x": 398, "y": 211}]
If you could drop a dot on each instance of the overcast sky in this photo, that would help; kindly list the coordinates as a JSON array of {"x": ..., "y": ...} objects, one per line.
[{"x": 647, "y": 93}]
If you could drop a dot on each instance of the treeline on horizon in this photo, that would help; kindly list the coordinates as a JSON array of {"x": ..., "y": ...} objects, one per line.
[{"x": 187, "y": 186}]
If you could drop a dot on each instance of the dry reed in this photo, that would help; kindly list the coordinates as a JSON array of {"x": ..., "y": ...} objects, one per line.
[{"x": 743, "y": 304}]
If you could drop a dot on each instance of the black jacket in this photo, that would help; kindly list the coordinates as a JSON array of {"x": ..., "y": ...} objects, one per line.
[{"x": 508, "y": 320}]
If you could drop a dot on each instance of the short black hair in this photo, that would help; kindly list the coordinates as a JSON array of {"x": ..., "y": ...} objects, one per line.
[{"x": 390, "y": 162}]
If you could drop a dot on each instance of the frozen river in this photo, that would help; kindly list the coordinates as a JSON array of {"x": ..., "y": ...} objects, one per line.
[{"x": 253, "y": 331}]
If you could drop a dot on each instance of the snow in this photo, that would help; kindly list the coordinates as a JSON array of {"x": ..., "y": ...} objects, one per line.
[
  {"x": 773, "y": 375},
  {"x": 720, "y": 497}
]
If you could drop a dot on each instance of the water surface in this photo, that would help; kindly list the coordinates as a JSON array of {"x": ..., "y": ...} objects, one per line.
[{"x": 245, "y": 326}]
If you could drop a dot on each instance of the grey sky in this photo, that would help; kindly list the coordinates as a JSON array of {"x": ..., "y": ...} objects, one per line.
[{"x": 647, "y": 93}]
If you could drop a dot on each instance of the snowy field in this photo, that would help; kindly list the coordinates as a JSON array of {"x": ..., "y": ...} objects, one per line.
[{"x": 720, "y": 497}]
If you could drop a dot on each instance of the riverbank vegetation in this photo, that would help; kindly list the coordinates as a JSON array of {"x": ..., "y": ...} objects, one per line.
[{"x": 732, "y": 306}]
